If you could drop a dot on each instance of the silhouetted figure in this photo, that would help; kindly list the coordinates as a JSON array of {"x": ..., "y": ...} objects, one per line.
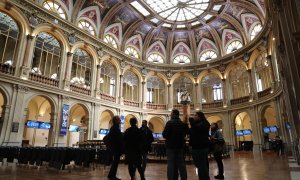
[
  {"x": 115, "y": 138},
  {"x": 199, "y": 140},
  {"x": 175, "y": 133},
  {"x": 133, "y": 149},
  {"x": 218, "y": 141},
  {"x": 147, "y": 139}
]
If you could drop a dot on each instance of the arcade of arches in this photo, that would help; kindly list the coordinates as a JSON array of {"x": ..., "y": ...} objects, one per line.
[{"x": 74, "y": 60}]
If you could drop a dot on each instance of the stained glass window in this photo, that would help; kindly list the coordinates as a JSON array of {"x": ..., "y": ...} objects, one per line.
[
  {"x": 132, "y": 52},
  {"x": 208, "y": 55},
  {"x": 86, "y": 26},
  {"x": 256, "y": 29},
  {"x": 155, "y": 58},
  {"x": 111, "y": 41},
  {"x": 54, "y": 7},
  {"x": 233, "y": 46},
  {"x": 181, "y": 59}
]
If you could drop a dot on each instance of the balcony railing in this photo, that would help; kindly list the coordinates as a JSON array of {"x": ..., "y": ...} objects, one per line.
[
  {"x": 179, "y": 106},
  {"x": 264, "y": 93},
  {"x": 107, "y": 97},
  {"x": 212, "y": 105},
  {"x": 7, "y": 69},
  {"x": 80, "y": 89},
  {"x": 156, "y": 106},
  {"x": 43, "y": 79},
  {"x": 131, "y": 103},
  {"x": 240, "y": 100}
]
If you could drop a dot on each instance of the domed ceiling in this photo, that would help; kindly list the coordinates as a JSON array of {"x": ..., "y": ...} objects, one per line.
[{"x": 167, "y": 31}]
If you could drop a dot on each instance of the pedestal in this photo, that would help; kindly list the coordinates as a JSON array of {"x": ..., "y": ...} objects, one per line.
[{"x": 186, "y": 111}]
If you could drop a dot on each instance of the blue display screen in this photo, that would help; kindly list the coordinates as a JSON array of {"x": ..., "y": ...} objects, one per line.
[
  {"x": 33, "y": 124},
  {"x": 73, "y": 128},
  {"x": 44, "y": 125},
  {"x": 157, "y": 135},
  {"x": 239, "y": 133},
  {"x": 247, "y": 132},
  {"x": 266, "y": 129},
  {"x": 273, "y": 129},
  {"x": 104, "y": 131}
]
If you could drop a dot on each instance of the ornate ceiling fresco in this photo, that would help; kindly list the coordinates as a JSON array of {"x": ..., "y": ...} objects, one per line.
[{"x": 173, "y": 31}]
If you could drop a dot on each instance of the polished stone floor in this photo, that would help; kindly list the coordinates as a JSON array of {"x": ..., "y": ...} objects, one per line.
[{"x": 241, "y": 166}]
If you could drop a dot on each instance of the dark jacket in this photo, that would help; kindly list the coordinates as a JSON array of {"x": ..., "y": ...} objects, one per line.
[
  {"x": 147, "y": 139},
  {"x": 175, "y": 133},
  {"x": 116, "y": 140},
  {"x": 133, "y": 143},
  {"x": 199, "y": 134}
]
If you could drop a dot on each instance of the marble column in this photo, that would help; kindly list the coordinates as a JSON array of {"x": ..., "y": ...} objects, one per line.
[
  {"x": 196, "y": 100},
  {"x": 68, "y": 71},
  {"x": 121, "y": 90},
  {"x": 98, "y": 83},
  {"x": 4, "y": 122},
  {"x": 273, "y": 82},
  {"x": 51, "y": 135},
  {"x": 25, "y": 69},
  {"x": 224, "y": 92},
  {"x": 170, "y": 97},
  {"x": 144, "y": 106},
  {"x": 251, "y": 87}
]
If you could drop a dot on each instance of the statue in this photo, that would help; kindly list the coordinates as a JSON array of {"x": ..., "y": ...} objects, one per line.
[{"x": 185, "y": 97}]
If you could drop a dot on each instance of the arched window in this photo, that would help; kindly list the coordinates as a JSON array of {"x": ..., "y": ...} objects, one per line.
[
  {"x": 208, "y": 55},
  {"x": 86, "y": 26},
  {"x": 54, "y": 7},
  {"x": 9, "y": 35},
  {"x": 155, "y": 58},
  {"x": 108, "y": 78},
  {"x": 130, "y": 86},
  {"x": 256, "y": 29},
  {"x": 155, "y": 90},
  {"x": 46, "y": 56},
  {"x": 239, "y": 80},
  {"x": 181, "y": 59},
  {"x": 263, "y": 72},
  {"x": 233, "y": 46},
  {"x": 211, "y": 88},
  {"x": 111, "y": 41},
  {"x": 132, "y": 52},
  {"x": 81, "y": 69}
]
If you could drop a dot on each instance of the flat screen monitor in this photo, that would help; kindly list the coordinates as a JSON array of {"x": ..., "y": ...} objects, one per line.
[
  {"x": 273, "y": 129},
  {"x": 33, "y": 124},
  {"x": 73, "y": 128},
  {"x": 44, "y": 125},
  {"x": 239, "y": 133},
  {"x": 157, "y": 135},
  {"x": 266, "y": 130},
  {"x": 247, "y": 132},
  {"x": 104, "y": 131}
]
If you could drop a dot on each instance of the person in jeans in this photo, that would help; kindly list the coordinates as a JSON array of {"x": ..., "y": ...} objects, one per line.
[
  {"x": 133, "y": 151},
  {"x": 199, "y": 140},
  {"x": 147, "y": 139},
  {"x": 175, "y": 132},
  {"x": 218, "y": 139},
  {"x": 115, "y": 138}
]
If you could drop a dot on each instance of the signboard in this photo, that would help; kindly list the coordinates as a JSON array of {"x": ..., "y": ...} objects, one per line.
[
  {"x": 32, "y": 124},
  {"x": 104, "y": 131},
  {"x": 122, "y": 117},
  {"x": 15, "y": 127},
  {"x": 64, "y": 121}
]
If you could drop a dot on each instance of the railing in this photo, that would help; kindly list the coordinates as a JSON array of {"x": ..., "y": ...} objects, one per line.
[
  {"x": 264, "y": 93},
  {"x": 179, "y": 106},
  {"x": 7, "y": 69},
  {"x": 79, "y": 89},
  {"x": 156, "y": 106},
  {"x": 107, "y": 97},
  {"x": 131, "y": 103},
  {"x": 240, "y": 100},
  {"x": 43, "y": 79},
  {"x": 212, "y": 105}
]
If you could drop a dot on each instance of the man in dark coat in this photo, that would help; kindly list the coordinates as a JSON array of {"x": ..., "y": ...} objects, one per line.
[
  {"x": 175, "y": 133},
  {"x": 115, "y": 138},
  {"x": 133, "y": 149},
  {"x": 147, "y": 139}
]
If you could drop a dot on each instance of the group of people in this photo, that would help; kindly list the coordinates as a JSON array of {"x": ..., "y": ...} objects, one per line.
[{"x": 136, "y": 143}]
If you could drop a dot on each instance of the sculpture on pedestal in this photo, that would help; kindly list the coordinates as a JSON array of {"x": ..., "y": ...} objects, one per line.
[{"x": 185, "y": 97}]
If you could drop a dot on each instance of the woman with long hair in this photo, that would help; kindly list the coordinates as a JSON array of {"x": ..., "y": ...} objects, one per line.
[{"x": 218, "y": 141}]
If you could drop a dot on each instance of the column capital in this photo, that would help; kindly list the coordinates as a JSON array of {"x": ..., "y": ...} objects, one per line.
[
  {"x": 169, "y": 85},
  {"x": 143, "y": 82},
  {"x": 98, "y": 66},
  {"x": 69, "y": 54},
  {"x": 29, "y": 37},
  {"x": 196, "y": 84}
]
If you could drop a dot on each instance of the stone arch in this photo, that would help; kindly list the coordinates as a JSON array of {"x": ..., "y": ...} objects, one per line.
[
  {"x": 243, "y": 121},
  {"x": 156, "y": 124},
  {"x": 206, "y": 72},
  {"x": 115, "y": 30},
  {"x": 126, "y": 120},
  {"x": 232, "y": 66},
  {"x": 135, "y": 71},
  {"x": 89, "y": 49},
  {"x": 179, "y": 74},
  {"x": 216, "y": 119},
  {"x": 113, "y": 61},
  {"x": 160, "y": 75}
]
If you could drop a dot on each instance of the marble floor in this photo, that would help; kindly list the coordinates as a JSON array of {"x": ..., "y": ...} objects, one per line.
[{"x": 241, "y": 166}]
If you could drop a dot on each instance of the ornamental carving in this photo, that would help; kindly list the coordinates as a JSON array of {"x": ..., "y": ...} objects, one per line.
[{"x": 22, "y": 88}]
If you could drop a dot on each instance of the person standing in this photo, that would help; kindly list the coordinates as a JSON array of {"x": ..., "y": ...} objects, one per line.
[
  {"x": 175, "y": 132},
  {"x": 147, "y": 139},
  {"x": 133, "y": 149},
  {"x": 115, "y": 139},
  {"x": 218, "y": 142},
  {"x": 199, "y": 140}
]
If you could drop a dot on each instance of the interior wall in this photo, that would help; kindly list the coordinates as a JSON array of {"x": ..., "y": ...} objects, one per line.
[{"x": 105, "y": 121}]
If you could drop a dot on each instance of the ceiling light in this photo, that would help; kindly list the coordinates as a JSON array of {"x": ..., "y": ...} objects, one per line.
[{"x": 140, "y": 8}]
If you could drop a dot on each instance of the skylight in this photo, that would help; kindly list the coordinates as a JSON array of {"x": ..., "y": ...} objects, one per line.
[
  {"x": 178, "y": 10},
  {"x": 140, "y": 8},
  {"x": 217, "y": 7}
]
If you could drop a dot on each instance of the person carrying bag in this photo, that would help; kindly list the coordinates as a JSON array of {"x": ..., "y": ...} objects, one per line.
[{"x": 217, "y": 143}]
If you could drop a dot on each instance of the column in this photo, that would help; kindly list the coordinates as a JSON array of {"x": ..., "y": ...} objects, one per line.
[
  {"x": 273, "y": 82},
  {"x": 68, "y": 71},
  {"x": 200, "y": 97},
  {"x": 98, "y": 83},
  {"x": 121, "y": 90},
  {"x": 52, "y": 131},
  {"x": 144, "y": 106},
  {"x": 25, "y": 69},
  {"x": 196, "y": 100},
  {"x": 170, "y": 102},
  {"x": 224, "y": 92},
  {"x": 4, "y": 122},
  {"x": 251, "y": 90}
]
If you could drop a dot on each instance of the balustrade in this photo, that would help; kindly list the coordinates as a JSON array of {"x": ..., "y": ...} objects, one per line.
[
  {"x": 43, "y": 79},
  {"x": 131, "y": 103},
  {"x": 7, "y": 69},
  {"x": 80, "y": 89}
]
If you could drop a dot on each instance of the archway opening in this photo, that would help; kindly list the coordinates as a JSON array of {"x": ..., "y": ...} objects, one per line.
[
  {"x": 105, "y": 122},
  {"x": 156, "y": 125},
  {"x": 39, "y": 122},
  {"x": 269, "y": 125},
  {"x": 78, "y": 125},
  {"x": 216, "y": 119},
  {"x": 126, "y": 122},
  {"x": 2, "y": 106},
  {"x": 243, "y": 131}
]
